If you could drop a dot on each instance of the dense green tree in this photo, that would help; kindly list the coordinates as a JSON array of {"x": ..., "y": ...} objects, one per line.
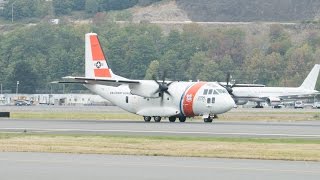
[
  {"x": 152, "y": 70},
  {"x": 78, "y": 5},
  {"x": 92, "y": 6},
  {"x": 116, "y": 4},
  {"x": 25, "y": 8},
  {"x": 62, "y": 7},
  {"x": 23, "y": 72}
]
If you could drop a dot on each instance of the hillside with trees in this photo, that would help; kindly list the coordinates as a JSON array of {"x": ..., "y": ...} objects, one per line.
[
  {"x": 248, "y": 10},
  {"x": 40, "y": 54},
  {"x": 35, "y": 55}
]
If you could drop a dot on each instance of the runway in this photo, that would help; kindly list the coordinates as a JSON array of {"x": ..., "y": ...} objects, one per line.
[
  {"x": 306, "y": 129},
  {"x": 47, "y": 166}
]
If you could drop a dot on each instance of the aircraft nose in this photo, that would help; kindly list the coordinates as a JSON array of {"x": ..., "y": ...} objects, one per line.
[{"x": 230, "y": 102}]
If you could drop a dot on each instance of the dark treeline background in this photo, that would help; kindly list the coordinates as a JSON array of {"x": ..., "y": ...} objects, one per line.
[
  {"x": 37, "y": 55},
  {"x": 41, "y": 8}
]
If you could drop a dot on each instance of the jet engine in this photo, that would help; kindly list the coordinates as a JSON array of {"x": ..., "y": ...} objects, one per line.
[
  {"x": 273, "y": 101},
  {"x": 240, "y": 102}
]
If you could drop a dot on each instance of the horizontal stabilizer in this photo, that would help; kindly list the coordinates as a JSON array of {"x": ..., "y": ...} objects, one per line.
[{"x": 68, "y": 82}]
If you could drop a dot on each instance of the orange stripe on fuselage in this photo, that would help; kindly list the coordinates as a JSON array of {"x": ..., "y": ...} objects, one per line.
[
  {"x": 102, "y": 73},
  {"x": 189, "y": 98},
  {"x": 97, "y": 53}
]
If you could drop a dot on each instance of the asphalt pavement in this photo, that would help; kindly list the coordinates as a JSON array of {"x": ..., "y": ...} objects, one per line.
[
  {"x": 306, "y": 129},
  {"x": 51, "y": 166}
]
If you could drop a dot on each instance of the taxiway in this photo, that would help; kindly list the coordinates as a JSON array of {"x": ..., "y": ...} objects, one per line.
[
  {"x": 29, "y": 166},
  {"x": 306, "y": 129}
]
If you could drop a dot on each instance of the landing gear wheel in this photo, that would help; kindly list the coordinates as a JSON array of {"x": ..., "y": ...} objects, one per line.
[
  {"x": 207, "y": 120},
  {"x": 157, "y": 119},
  {"x": 182, "y": 119},
  {"x": 147, "y": 118},
  {"x": 172, "y": 119}
]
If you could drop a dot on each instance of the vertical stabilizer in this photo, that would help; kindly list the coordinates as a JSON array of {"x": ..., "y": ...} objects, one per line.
[
  {"x": 95, "y": 62},
  {"x": 311, "y": 80}
]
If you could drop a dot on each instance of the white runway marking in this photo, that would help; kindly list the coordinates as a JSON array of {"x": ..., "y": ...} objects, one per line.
[{"x": 163, "y": 132}]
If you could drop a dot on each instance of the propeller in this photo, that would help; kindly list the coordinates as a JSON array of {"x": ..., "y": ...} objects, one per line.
[
  {"x": 228, "y": 87},
  {"x": 163, "y": 86}
]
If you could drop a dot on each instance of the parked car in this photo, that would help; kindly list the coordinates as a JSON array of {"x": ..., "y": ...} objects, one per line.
[
  {"x": 316, "y": 105},
  {"x": 279, "y": 106},
  {"x": 22, "y": 103},
  {"x": 298, "y": 104}
]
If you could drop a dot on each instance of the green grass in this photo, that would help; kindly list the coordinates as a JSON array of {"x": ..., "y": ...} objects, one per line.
[
  {"x": 230, "y": 116},
  {"x": 73, "y": 115},
  {"x": 250, "y": 148}
]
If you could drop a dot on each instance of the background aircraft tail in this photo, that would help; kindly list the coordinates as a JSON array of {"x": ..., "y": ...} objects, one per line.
[
  {"x": 311, "y": 80},
  {"x": 95, "y": 62}
]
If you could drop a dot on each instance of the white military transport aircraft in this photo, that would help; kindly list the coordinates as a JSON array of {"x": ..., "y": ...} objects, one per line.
[
  {"x": 151, "y": 98},
  {"x": 274, "y": 95}
]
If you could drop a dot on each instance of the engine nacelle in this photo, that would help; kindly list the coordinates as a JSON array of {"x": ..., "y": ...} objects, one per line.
[
  {"x": 145, "y": 88},
  {"x": 273, "y": 101}
]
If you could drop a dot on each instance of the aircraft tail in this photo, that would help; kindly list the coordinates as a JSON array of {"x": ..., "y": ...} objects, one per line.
[
  {"x": 95, "y": 62},
  {"x": 311, "y": 80}
]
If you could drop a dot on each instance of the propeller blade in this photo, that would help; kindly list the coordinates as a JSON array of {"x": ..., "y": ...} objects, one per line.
[
  {"x": 168, "y": 93},
  {"x": 170, "y": 83},
  {"x": 228, "y": 78}
]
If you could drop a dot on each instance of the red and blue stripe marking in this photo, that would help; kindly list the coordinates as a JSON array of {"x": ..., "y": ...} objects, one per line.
[{"x": 187, "y": 99}]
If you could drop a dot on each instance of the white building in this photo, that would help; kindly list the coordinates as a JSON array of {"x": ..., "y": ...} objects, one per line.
[{"x": 55, "y": 99}]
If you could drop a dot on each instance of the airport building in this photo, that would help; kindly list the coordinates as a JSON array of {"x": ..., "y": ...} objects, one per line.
[{"x": 54, "y": 99}]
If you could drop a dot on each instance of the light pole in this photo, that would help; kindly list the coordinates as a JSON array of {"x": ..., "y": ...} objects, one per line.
[
  {"x": 17, "y": 88},
  {"x": 12, "y": 11}
]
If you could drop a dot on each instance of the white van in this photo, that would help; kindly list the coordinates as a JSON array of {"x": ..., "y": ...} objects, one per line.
[
  {"x": 298, "y": 104},
  {"x": 316, "y": 105}
]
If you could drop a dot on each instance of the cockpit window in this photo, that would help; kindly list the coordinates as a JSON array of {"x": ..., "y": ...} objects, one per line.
[
  {"x": 210, "y": 91},
  {"x": 205, "y": 92},
  {"x": 222, "y": 91},
  {"x": 215, "y": 92}
]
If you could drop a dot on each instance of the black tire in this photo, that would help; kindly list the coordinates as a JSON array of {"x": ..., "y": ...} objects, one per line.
[
  {"x": 172, "y": 119},
  {"x": 157, "y": 119},
  {"x": 207, "y": 120},
  {"x": 182, "y": 119},
  {"x": 147, "y": 118}
]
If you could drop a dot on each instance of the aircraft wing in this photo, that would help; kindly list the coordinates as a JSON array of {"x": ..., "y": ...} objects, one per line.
[
  {"x": 106, "y": 82},
  {"x": 302, "y": 96},
  {"x": 242, "y": 85}
]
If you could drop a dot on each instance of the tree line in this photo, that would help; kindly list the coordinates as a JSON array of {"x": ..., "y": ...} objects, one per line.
[
  {"x": 37, "y": 55},
  {"x": 22, "y": 9}
]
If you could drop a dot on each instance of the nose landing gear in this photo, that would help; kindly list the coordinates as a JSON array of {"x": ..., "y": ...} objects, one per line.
[{"x": 208, "y": 119}]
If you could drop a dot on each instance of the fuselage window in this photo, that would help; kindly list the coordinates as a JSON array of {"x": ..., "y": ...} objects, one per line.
[
  {"x": 210, "y": 91},
  {"x": 213, "y": 100},
  {"x": 205, "y": 92},
  {"x": 127, "y": 99},
  {"x": 208, "y": 100}
]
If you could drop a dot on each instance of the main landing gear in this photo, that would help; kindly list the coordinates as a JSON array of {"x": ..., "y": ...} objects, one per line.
[
  {"x": 148, "y": 118},
  {"x": 209, "y": 118},
  {"x": 158, "y": 118},
  {"x": 258, "y": 105}
]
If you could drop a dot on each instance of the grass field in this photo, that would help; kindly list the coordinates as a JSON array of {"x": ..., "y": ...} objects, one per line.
[
  {"x": 229, "y": 116},
  {"x": 250, "y": 148}
]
